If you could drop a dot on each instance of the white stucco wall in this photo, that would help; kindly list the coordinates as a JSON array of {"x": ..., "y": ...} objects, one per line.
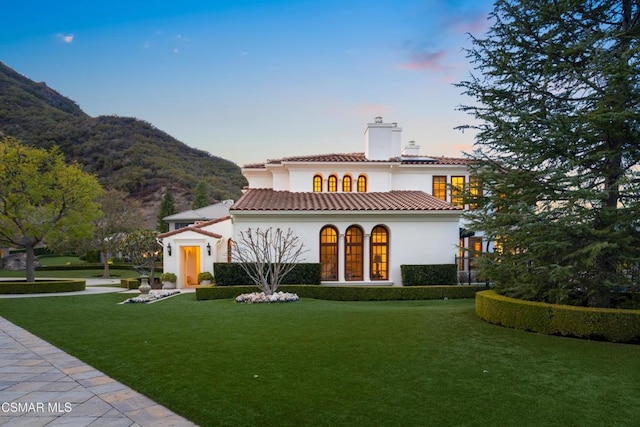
[
  {"x": 419, "y": 238},
  {"x": 174, "y": 263}
]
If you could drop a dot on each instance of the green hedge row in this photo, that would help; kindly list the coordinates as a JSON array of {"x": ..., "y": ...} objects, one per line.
[
  {"x": 615, "y": 325},
  {"x": 429, "y": 274},
  {"x": 350, "y": 293},
  {"x": 228, "y": 274},
  {"x": 87, "y": 266},
  {"x": 130, "y": 283},
  {"x": 41, "y": 286}
]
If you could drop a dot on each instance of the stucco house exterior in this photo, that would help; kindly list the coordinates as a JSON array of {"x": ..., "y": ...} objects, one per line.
[{"x": 361, "y": 215}]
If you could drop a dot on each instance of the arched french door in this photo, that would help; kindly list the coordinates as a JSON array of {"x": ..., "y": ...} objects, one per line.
[
  {"x": 379, "y": 268},
  {"x": 329, "y": 253},
  {"x": 353, "y": 253}
]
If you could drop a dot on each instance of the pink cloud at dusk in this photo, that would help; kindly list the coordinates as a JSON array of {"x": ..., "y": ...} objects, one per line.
[{"x": 426, "y": 61}]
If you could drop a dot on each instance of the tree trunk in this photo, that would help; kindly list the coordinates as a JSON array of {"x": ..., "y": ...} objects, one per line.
[
  {"x": 105, "y": 260},
  {"x": 30, "y": 268}
]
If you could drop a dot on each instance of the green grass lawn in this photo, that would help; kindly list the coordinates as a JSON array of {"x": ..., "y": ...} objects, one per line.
[{"x": 340, "y": 363}]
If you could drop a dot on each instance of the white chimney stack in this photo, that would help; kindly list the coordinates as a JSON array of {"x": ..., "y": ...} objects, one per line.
[
  {"x": 382, "y": 140},
  {"x": 411, "y": 150}
]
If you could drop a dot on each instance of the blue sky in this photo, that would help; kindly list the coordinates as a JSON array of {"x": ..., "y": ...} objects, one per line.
[{"x": 252, "y": 80}]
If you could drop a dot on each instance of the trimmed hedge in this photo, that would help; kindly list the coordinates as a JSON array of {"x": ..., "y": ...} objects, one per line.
[
  {"x": 41, "y": 286},
  {"x": 232, "y": 274},
  {"x": 87, "y": 266},
  {"x": 429, "y": 274},
  {"x": 130, "y": 283},
  {"x": 615, "y": 325},
  {"x": 349, "y": 293}
]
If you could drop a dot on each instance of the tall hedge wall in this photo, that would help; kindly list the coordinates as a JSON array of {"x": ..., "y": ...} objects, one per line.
[
  {"x": 615, "y": 325},
  {"x": 350, "y": 293},
  {"x": 232, "y": 274}
]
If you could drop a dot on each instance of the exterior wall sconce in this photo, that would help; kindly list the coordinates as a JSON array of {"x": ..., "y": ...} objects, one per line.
[
  {"x": 169, "y": 249},
  {"x": 209, "y": 249}
]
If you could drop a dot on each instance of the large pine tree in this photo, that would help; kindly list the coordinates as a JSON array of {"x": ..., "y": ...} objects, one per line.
[{"x": 556, "y": 86}]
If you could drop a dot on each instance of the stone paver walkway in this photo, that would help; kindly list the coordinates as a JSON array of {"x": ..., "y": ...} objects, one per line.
[{"x": 40, "y": 385}]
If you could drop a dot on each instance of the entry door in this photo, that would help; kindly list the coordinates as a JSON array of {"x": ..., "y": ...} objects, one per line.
[{"x": 190, "y": 265}]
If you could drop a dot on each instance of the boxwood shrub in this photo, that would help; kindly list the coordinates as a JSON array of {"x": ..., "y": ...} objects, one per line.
[
  {"x": 615, "y": 325},
  {"x": 41, "y": 286},
  {"x": 232, "y": 274},
  {"x": 429, "y": 274},
  {"x": 350, "y": 293}
]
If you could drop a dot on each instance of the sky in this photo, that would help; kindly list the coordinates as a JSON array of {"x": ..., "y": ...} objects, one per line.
[{"x": 255, "y": 80}]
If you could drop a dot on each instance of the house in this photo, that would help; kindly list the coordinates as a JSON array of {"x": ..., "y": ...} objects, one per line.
[
  {"x": 361, "y": 215},
  {"x": 207, "y": 213}
]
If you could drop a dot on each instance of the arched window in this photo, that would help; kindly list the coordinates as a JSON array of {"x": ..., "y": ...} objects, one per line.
[
  {"x": 353, "y": 251},
  {"x": 346, "y": 184},
  {"x": 329, "y": 253},
  {"x": 317, "y": 183},
  {"x": 332, "y": 184},
  {"x": 229, "y": 250},
  {"x": 379, "y": 253},
  {"x": 362, "y": 184}
]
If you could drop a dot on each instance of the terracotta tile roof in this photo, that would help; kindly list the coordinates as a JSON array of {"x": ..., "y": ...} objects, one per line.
[
  {"x": 196, "y": 229},
  {"x": 436, "y": 160},
  {"x": 360, "y": 158},
  {"x": 261, "y": 199}
]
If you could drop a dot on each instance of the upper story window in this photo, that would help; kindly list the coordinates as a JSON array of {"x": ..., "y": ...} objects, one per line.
[
  {"x": 440, "y": 187},
  {"x": 317, "y": 183},
  {"x": 362, "y": 184},
  {"x": 346, "y": 184},
  {"x": 457, "y": 190},
  {"x": 475, "y": 192},
  {"x": 332, "y": 184}
]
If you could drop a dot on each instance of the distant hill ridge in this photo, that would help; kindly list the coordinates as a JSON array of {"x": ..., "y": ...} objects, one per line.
[{"x": 125, "y": 153}]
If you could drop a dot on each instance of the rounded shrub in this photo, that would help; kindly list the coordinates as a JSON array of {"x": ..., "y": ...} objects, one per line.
[{"x": 615, "y": 325}]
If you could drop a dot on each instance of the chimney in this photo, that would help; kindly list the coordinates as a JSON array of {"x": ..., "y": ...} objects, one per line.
[
  {"x": 382, "y": 140},
  {"x": 411, "y": 150}
]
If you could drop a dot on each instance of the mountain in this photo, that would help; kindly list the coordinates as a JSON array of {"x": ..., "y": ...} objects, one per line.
[{"x": 125, "y": 153}]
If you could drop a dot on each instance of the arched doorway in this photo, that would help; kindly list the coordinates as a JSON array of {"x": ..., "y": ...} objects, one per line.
[
  {"x": 190, "y": 261},
  {"x": 353, "y": 253}
]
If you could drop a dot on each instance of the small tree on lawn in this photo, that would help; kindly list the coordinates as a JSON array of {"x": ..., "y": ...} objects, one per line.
[
  {"x": 119, "y": 215},
  {"x": 43, "y": 199},
  {"x": 267, "y": 256},
  {"x": 143, "y": 248}
]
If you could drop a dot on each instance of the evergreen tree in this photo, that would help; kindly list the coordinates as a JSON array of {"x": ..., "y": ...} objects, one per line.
[
  {"x": 201, "y": 197},
  {"x": 167, "y": 207},
  {"x": 558, "y": 146}
]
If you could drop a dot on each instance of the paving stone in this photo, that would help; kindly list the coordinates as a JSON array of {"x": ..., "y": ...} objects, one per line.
[{"x": 64, "y": 391}]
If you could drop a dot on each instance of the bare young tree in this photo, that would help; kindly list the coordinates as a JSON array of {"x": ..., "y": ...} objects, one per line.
[{"x": 267, "y": 256}]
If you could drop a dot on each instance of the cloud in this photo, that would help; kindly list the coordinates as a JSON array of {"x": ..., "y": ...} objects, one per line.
[
  {"x": 475, "y": 24},
  {"x": 66, "y": 38},
  {"x": 426, "y": 60},
  {"x": 373, "y": 109}
]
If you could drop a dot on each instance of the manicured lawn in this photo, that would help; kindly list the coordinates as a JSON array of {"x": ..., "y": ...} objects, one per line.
[{"x": 340, "y": 363}]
